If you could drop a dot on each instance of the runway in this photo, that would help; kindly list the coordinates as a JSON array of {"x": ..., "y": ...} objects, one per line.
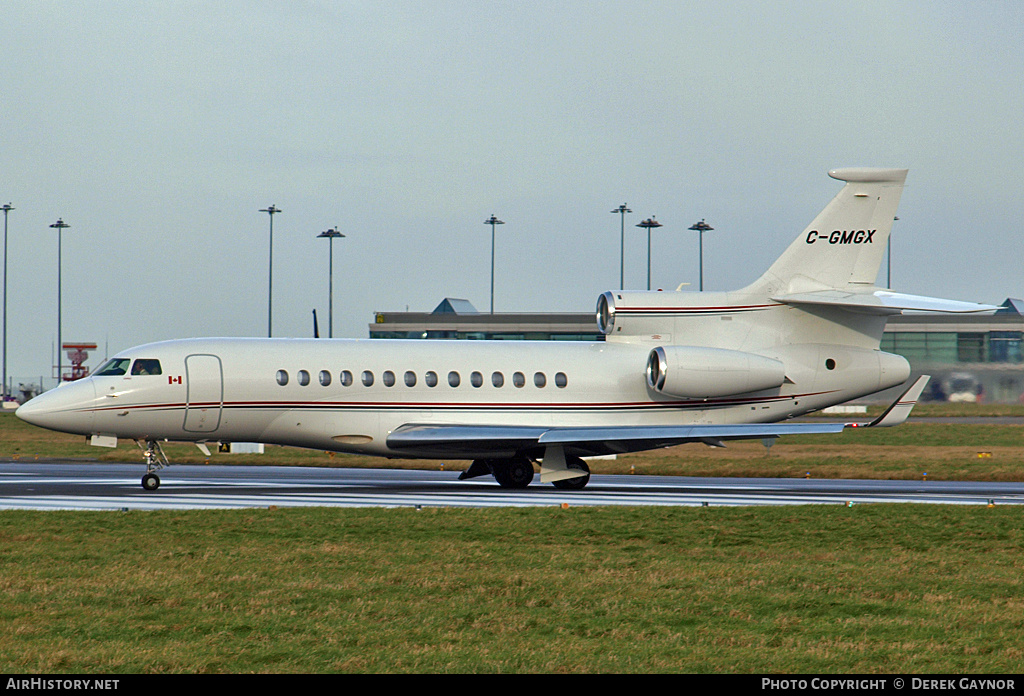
[{"x": 91, "y": 486}]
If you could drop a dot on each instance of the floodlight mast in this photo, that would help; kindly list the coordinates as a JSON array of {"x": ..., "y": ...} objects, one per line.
[
  {"x": 272, "y": 210},
  {"x": 650, "y": 223},
  {"x": 7, "y": 207},
  {"x": 492, "y": 221},
  {"x": 701, "y": 227},
  {"x": 60, "y": 226},
  {"x": 888, "y": 258},
  {"x": 622, "y": 210},
  {"x": 330, "y": 235}
]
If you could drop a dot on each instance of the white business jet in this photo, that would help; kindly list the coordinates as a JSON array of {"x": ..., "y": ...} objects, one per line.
[{"x": 675, "y": 367}]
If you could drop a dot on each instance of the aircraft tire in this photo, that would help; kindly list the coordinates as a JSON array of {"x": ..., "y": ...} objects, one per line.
[
  {"x": 515, "y": 473},
  {"x": 574, "y": 484},
  {"x": 150, "y": 482}
]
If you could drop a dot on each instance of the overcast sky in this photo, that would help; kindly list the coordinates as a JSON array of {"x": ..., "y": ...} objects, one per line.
[{"x": 158, "y": 130}]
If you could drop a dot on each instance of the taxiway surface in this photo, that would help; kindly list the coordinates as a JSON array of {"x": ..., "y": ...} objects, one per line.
[{"x": 90, "y": 486}]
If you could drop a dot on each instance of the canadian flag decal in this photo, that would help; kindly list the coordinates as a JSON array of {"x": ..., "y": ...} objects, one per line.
[{"x": 174, "y": 380}]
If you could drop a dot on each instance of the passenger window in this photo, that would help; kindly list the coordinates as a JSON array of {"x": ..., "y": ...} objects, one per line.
[
  {"x": 389, "y": 378},
  {"x": 325, "y": 378},
  {"x": 367, "y": 378},
  {"x": 476, "y": 379},
  {"x": 539, "y": 379},
  {"x": 561, "y": 380},
  {"x": 146, "y": 367},
  {"x": 114, "y": 368},
  {"x": 282, "y": 377},
  {"x": 346, "y": 378},
  {"x": 453, "y": 379},
  {"x": 519, "y": 379},
  {"x": 410, "y": 379},
  {"x": 498, "y": 379},
  {"x": 430, "y": 378},
  {"x": 303, "y": 378}
]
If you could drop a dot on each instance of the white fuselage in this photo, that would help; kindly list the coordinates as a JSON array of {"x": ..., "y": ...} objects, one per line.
[
  {"x": 803, "y": 336},
  {"x": 675, "y": 367},
  {"x": 349, "y": 395}
]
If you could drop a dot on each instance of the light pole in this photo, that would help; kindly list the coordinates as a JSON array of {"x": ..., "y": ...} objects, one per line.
[
  {"x": 702, "y": 227},
  {"x": 331, "y": 235},
  {"x": 888, "y": 258},
  {"x": 271, "y": 211},
  {"x": 622, "y": 210},
  {"x": 649, "y": 223},
  {"x": 492, "y": 221},
  {"x": 7, "y": 207},
  {"x": 60, "y": 226}
]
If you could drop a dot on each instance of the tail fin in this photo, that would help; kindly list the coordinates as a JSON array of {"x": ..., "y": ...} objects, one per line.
[{"x": 844, "y": 246}]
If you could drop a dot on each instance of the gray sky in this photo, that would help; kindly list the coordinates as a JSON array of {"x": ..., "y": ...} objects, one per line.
[{"x": 158, "y": 130}]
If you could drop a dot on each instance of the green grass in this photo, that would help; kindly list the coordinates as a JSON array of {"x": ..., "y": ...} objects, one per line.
[
  {"x": 947, "y": 410},
  {"x": 922, "y": 435},
  {"x": 867, "y": 589},
  {"x": 808, "y": 589}
]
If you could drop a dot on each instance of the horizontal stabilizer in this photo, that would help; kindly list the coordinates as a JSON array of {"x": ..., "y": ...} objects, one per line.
[
  {"x": 869, "y": 175},
  {"x": 882, "y": 302}
]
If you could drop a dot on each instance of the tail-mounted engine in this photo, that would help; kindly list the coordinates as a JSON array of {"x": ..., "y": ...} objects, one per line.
[{"x": 699, "y": 373}]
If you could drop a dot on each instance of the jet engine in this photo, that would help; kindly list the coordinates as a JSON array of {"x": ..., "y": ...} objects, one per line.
[{"x": 700, "y": 373}]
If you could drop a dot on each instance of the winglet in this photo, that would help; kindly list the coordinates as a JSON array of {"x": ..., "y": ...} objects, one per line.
[{"x": 900, "y": 409}]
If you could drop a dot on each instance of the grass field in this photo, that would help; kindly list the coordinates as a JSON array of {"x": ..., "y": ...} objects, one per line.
[
  {"x": 868, "y": 589},
  {"x": 807, "y": 589}
]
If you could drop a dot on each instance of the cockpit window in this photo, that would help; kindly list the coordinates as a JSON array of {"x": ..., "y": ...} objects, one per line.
[
  {"x": 146, "y": 367},
  {"x": 114, "y": 367}
]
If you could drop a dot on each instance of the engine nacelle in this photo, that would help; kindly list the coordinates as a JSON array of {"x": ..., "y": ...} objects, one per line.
[{"x": 699, "y": 373}]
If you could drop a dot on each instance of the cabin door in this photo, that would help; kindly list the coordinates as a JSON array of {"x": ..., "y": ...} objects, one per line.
[{"x": 205, "y": 393}]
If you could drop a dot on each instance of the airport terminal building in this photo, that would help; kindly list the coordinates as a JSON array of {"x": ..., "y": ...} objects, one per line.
[{"x": 970, "y": 357}]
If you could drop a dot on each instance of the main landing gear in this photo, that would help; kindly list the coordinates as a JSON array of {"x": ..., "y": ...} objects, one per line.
[
  {"x": 579, "y": 482},
  {"x": 518, "y": 473},
  {"x": 155, "y": 460},
  {"x": 514, "y": 473}
]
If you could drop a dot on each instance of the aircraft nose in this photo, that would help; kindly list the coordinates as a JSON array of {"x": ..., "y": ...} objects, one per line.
[{"x": 68, "y": 408}]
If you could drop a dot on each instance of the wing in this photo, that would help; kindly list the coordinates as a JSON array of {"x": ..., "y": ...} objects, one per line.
[
  {"x": 503, "y": 441},
  {"x": 498, "y": 441}
]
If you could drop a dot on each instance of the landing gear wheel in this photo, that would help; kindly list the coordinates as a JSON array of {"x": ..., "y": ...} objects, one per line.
[
  {"x": 574, "y": 484},
  {"x": 150, "y": 481},
  {"x": 516, "y": 473},
  {"x": 155, "y": 460}
]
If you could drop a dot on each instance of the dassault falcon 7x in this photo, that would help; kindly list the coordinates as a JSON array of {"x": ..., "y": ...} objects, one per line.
[{"x": 674, "y": 367}]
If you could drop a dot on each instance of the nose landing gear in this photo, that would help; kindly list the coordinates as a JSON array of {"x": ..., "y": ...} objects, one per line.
[
  {"x": 155, "y": 461},
  {"x": 150, "y": 481}
]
